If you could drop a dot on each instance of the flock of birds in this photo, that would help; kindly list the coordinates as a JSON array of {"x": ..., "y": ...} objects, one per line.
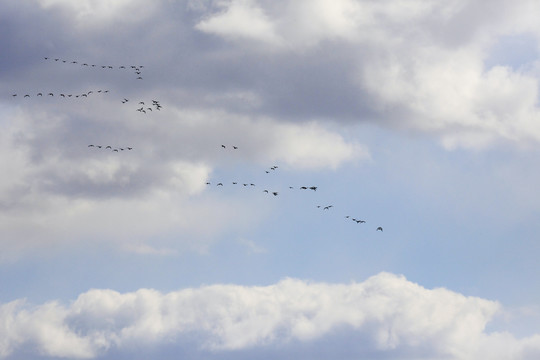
[
  {"x": 276, "y": 193},
  {"x": 83, "y": 95},
  {"x": 136, "y": 68},
  {"x": 154, "y": 105}
]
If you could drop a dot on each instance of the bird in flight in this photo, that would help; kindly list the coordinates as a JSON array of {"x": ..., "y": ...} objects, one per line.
[{"x": 379, "y": 229}]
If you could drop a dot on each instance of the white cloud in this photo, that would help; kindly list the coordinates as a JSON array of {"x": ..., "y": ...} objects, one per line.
[
  {"x": 391, "y": 315},
  {"x": 241, "y": 18}
]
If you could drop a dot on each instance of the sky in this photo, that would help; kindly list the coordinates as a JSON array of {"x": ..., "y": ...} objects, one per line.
[{"x": 151, "y": 201}]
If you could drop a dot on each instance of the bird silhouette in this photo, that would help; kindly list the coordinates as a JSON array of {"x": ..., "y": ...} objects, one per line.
[
  {"x": 379, "y": 229},
  {"x": 275, "y": 193}
]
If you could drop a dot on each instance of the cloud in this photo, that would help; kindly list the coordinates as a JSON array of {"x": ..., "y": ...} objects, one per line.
[
  {"x": 392, "y": 316},
  {"x": 241, "y": 19},
  {"x": 419, "y": 65}
]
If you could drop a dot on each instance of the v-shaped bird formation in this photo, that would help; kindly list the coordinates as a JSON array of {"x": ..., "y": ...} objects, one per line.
[{"x": 148, "y": 106}]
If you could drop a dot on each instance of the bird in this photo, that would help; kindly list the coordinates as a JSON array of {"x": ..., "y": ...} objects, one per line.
[
  {"x": 51, "y": 94},
  {"x": 130, "y": 148},
  {"x": 90, "y": 145},
  {"x": 39, "y": 94},
  {"x": 108, "y": 147},
  {"x": 379, "y": 229},
  {"x": 303, "y": 187},
  {"x": 361, "y": 222},
  {"x": 219, "y": 184},
  {"x": 275, "y": 193},
  {"x": 26, "y": 95},
  {"x": 266, "y": 191},
  {"x": 14, "y": 95},
  {"x": 314, "y": 188},
  {"x": 223, "y": 146},
  {"x": 234, "y": 183},
  {"x": 235, "y": 147}
]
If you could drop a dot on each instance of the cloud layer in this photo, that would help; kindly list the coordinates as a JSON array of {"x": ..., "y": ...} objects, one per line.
[{"x": 391, "y": 316}]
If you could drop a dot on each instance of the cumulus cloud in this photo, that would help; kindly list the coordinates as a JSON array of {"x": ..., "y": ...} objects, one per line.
[
  {"x": 394, "y": 317},
  {"x": 422, "y": 64}
]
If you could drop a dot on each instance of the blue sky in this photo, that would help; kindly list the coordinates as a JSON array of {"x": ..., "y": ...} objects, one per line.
[{"x": 417, "y": 116}]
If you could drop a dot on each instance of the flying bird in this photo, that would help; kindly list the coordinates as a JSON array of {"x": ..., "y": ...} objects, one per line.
[
  {"x": 379, "y": 229},
  {"x": 275, "y": 193}
]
